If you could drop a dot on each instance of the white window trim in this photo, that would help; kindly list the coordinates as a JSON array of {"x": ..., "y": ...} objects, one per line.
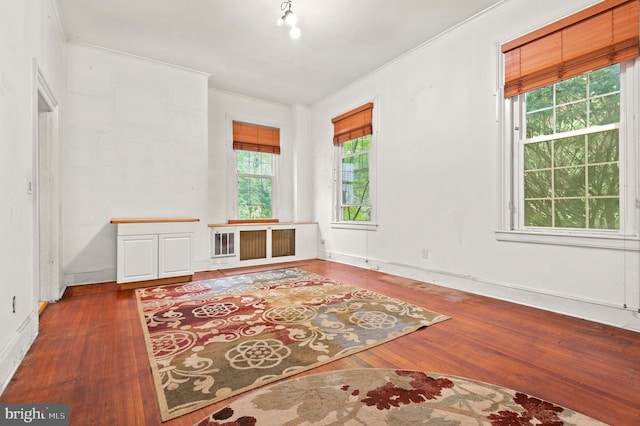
[
  {"x": 509, "y": 161},
  {"x": 371, "y": 225}
]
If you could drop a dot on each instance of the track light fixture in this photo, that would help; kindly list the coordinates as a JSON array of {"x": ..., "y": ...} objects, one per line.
[{"x": 289, "y": 18}]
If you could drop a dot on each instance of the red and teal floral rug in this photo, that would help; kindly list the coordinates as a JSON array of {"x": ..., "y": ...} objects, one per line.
[
  {"x": 390, "y": 397},
  {"x": 209, "y": 340}
]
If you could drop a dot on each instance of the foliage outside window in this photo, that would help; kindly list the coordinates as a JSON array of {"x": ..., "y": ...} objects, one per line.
[
  {"x": 571, "y": 153},
  {"x": 255, "y": 184},
  {"x": 355, "y": 179}
]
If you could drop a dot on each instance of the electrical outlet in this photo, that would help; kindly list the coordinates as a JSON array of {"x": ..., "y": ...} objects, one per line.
[
  {"x": 424, "y": 253},
  {"x": 13, "y": 303}
]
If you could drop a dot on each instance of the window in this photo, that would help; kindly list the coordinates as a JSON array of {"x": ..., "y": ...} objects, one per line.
[
  {"x": 255, "y": 184},
  {"x": 570, "y": 146},
  {"x": 354, "y": 180},
  {"x": 353, "y": 141},
  {"x": 256, "y": 151}
]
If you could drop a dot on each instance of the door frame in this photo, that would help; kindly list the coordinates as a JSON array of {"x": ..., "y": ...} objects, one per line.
[{"x": 46, "y": 189}]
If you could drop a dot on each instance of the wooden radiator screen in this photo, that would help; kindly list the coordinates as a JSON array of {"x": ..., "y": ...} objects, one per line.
[
  {"x": 253, "y": 245},
  {"x": 283, "y": 242}
]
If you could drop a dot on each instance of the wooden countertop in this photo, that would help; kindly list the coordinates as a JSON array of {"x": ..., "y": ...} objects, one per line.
[
  {"x": 153, "y": 220},
  {"x": 249, "y": 223}
]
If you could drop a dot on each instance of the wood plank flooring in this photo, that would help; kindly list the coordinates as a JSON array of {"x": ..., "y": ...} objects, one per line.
[{"x": 91, "y": 354}]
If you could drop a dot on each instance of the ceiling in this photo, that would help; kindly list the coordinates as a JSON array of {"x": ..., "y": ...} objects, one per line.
[{"x": 238, "y": 43}]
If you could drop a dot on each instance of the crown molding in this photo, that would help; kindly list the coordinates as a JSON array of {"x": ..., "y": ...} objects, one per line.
[
  {"x": 140, "y": 58},
  {"x": 57, "y": 10}
]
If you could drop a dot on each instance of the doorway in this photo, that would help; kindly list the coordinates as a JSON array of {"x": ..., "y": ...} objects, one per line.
[{"x": 46, "y": 196}]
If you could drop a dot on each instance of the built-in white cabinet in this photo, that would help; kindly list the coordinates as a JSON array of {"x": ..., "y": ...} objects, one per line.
[{"x": 154, "y": 249}]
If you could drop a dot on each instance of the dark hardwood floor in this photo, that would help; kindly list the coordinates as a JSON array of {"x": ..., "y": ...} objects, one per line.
[{"x": 91, "y": 354}]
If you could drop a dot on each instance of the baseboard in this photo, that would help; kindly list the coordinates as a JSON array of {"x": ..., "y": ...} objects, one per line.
[
  {"x": 15, "y": 350},
  {"x": 42, "y": 307},
  {"x": 591, "y": 310},
  {"x": 91, "y": 277}
]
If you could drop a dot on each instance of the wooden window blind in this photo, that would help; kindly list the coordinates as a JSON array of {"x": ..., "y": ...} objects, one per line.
[
  {"x": 601, "y": 35},
  {"x": 353, "y": 124},
  {"x": 251, "y": 137}
]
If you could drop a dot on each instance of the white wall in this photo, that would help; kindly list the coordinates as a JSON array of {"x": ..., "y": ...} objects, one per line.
[
  {"x": 294, "y": 191},
  {"x": 135, "y": 145},
  {"x": 437, "y": 139},
  {"x": 29, "y": 30}
]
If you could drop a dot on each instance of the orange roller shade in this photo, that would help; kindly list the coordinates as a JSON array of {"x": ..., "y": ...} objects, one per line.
[
  {"x": 601, "y": 35},
  {"x": 251, "y": 137},
  {"x": 353, "y": 124}
]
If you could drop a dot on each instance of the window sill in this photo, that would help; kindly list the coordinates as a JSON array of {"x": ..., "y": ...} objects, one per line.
[
  {"x": 611, "y": 242},
  {"x": 362, "y": 226}
]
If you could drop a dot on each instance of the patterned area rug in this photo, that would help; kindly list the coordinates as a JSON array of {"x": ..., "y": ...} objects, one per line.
[
  {"x": 209, "y": 340},
  {"x": 390, "y": 397}
]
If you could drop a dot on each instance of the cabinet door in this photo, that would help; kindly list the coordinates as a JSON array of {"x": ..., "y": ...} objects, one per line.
[
  {"x": 175, "y": 257},
  {"x": 137, "y": 258}
]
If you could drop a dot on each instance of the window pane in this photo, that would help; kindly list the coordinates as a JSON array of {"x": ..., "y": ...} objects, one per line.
[
  {"x": 571, "y": 117},
  {"x": 537, "y": 155},
  {"x": 538, "y": 213},
  {"x": 604, "y": 110},
  {"x": 571, "y": 90},
  {"x": 605, "y": 80},
  {"x": 254, "y": 198},
  {"x": 604, "y": 213},
  {"x": 361, "y": 213},
  {"x": 603, "y": 147},
  {"x": 254, "y": 163},
  {"x": 571, "y": 213},
  {"x": 569, "y": 151},
  {"x": 539, "y": 98},
  {"x": 604, "y": 179},
  {"x": 355, "y": 179},
  {"x": 569, "y": 182},
  {"x": 537, "y": 184},
  {"x": 357, "y": 145},
  {"x": 540, "y": 123}
]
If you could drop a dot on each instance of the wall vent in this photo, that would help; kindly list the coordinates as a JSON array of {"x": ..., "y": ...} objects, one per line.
[
  {"x": 283, "y": 242},
  {"x": 224, "y": 244},
  {"x": 253, "y": 245}
]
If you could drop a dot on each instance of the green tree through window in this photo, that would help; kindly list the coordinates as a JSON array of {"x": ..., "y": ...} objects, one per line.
[
  {"x": 571, "y": 153},
  {"x": 255, "y": 184},
  {"x": 356, "y": 203}
]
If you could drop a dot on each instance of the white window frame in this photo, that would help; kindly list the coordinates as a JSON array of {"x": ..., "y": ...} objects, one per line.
[
  {"x": 338, "y": 221},
  {"x": 510, "y": 221}
]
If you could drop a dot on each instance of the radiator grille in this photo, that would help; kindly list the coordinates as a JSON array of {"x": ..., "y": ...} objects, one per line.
[
  {"x": 283, "y": 242},
  {"x": 253, "y": 245},
  {"x": 224, "y": 244}
]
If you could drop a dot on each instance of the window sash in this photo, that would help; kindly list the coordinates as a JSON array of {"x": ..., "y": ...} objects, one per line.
[
  {"x": 629, "y": 187},
  {"x": 270, "y": 177},
  {"x": 342, "y": 205},
  {"x": 554, "y": 197}
]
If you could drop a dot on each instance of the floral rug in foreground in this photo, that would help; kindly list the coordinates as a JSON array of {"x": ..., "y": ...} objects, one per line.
[{"x": 390, "y": 397}]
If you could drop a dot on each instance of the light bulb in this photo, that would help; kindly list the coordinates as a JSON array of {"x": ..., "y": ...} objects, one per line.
[
  {"x": 295, "y": 32},
  {"x": 290, "y": 18}
]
